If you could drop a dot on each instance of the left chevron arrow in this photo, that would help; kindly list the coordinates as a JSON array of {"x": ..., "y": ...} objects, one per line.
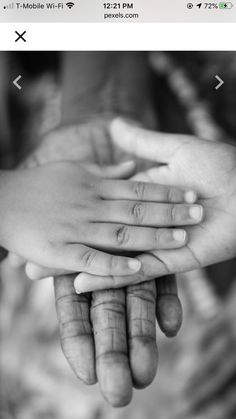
[{"x": 15, "y": 82}]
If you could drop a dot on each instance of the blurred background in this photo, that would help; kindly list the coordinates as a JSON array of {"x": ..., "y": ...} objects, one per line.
[{"x": 197, "y": 370}]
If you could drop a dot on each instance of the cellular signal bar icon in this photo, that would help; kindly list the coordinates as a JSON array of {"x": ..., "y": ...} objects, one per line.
[
  {"x": 9, "y": 6},
  {"x": 70, "y": 4}
]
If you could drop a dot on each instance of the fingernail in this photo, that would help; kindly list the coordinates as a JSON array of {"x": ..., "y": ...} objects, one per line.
[
  {"x": 179, "y": 235},
  {"x": 76, "y": 286},
  {"x": 134, "y": 264},
  {"x": 77, "y": 291},
  {"x": 190, "y": 197},
  {"x": 196, "y": 212}
]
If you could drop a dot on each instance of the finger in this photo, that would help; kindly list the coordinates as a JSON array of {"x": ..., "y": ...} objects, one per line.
[
  {"x": 109, "y": 325},
  {"x": 114, "y": 237},
  {"x": 154, "y": 265},
  {"x": 120, "y": 171},
  {"x": 144, "y": 191},
  {"x": 37, "y": 272},
  {"x": 84, "y": 282},
  {"x": 143, "y": 354},
  {"x": 165, "y": 176},
  {"x": 144, "y": 143},
  {"x": 168, "y": 306},
  {"x": 76, "y": 336},
  {"x": 80, "y": 258},
  {"x": 149, "y": 214},
  {"x": 118, "y": 237}
]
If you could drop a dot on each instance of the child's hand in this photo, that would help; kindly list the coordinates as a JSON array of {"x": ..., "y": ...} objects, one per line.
[{"x": 54, "y": 214}]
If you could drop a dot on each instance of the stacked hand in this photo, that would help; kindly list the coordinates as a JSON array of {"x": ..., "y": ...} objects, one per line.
[
  {"x": 185, "y": 162},
  {"x": 109, "y": 335}
]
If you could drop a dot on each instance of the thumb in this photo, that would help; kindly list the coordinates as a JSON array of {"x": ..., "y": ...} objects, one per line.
[
  {"x": 151, "y": 145},
  {"x": 119, "y": 171}
]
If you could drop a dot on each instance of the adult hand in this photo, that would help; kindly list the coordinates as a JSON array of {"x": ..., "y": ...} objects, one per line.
[
  {"x": 185, "y": 161},
  {"x": 111, "y": 335}
]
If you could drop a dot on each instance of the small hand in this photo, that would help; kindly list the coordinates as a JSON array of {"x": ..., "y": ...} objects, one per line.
[
  {"x": 76, "y": 212},
  {"x": 187, "y": 162},
  {"x": 58, "y": 216}
]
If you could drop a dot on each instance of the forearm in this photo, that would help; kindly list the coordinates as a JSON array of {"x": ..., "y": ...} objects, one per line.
[{"x": 103, "y": 85}]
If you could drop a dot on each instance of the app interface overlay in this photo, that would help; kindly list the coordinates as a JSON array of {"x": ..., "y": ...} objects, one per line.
[{"x": 119, "y": 11}]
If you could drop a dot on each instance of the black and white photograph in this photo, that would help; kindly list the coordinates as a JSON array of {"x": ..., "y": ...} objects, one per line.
[{"x": 118, "y": 235}]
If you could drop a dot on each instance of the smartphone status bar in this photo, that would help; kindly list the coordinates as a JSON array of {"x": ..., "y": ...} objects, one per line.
[{"x": 116, "y": 12}]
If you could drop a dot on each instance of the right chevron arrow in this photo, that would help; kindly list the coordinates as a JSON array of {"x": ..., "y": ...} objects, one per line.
[{"x": 220, "y": 82}]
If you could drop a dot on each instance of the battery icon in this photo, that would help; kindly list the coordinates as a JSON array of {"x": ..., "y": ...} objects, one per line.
[{"x": 225, "y": 5}]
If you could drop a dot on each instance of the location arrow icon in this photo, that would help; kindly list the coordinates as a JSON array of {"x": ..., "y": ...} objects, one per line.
[
  {"x": 15, "y": 82},
  {"x": 220, "y": 82}
]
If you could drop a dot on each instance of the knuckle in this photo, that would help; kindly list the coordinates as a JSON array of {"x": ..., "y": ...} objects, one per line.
[
  {"x": 157, "y": 238},
  {"x": 140, "y": 189},
  {"x": 113, "y": 263},
  {"x": 145, "y": 292},
  {"x": 171, "y": 213},
  {"x": 122, "y": 235},
  {"x": 88, "y": 258},
  {"x": 114, "y": 306},
  {"x": 74, "y": 328},
  {"x": 171, "y": 195},
  {"x": 138, "y": 212}
]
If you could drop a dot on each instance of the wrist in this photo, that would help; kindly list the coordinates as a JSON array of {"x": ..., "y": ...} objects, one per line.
[{"x": 105, "y": 86}]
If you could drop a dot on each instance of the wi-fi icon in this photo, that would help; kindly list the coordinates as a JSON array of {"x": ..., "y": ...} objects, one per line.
[{"x": 70, "y": 4}]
